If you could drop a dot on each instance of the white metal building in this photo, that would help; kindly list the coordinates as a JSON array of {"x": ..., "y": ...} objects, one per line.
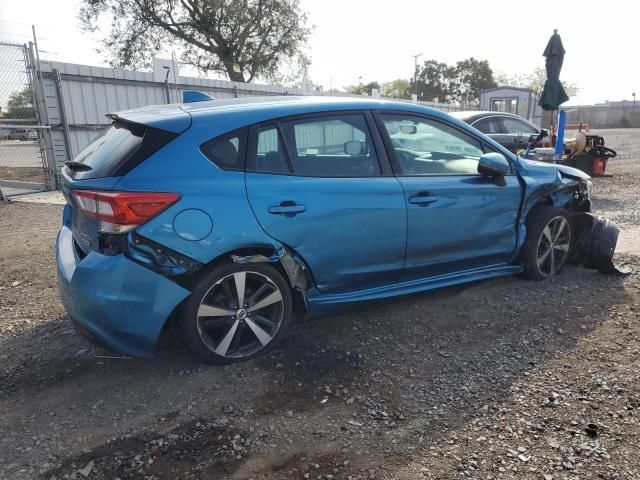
[{"x": 520, "y": 101}]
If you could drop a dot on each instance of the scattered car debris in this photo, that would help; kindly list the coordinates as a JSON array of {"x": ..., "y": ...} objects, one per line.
[
  {"x": 591, "y": 430},
  {"x": 596, "y": 244}
]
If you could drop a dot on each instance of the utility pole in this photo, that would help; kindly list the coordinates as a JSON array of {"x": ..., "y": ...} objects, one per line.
[{"x": 415, "y": 72}]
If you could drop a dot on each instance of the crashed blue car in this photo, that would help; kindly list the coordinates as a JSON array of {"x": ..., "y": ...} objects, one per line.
[{"x": 229, "y": 218}]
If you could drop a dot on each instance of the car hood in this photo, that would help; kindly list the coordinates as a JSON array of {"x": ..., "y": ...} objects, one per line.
[{"x": 531, "y": 166}]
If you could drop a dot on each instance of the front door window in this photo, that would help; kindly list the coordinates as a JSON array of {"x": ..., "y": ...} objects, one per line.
[{"x": 428, "y": 147}]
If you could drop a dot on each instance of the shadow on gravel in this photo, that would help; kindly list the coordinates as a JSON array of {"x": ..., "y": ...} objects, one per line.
[
  {"x": 430, "y": 363},
  {"x": 411, "y": 367},
  {"x": 54, "y": 353},
  {"x": 206, "y": 450}
]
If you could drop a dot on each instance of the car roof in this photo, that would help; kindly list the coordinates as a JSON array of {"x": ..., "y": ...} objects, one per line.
[
  {"x": 471, "y": 116},
  {"x": 257, "y": 109},
  {"x": 178, "y": 117},
  {"x": 310, "y": 102},
  {"x": 208, "y": 119}
]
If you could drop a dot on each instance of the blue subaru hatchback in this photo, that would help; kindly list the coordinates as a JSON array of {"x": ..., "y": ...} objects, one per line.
[{"x": 230, "y": 218}]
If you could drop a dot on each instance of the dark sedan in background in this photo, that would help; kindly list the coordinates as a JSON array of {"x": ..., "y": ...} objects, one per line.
[{"x": 510, "y": 131}]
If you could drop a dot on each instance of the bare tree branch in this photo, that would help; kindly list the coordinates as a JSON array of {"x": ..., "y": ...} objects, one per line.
[{"x": 256, "y": 37}]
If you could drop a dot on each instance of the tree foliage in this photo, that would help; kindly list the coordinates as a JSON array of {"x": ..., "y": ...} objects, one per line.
[
  {"x": 20, "y": 106},
  {"x": 363, "y": 88},
  {"x": 435, "y": 80},
  {"x": 460, "y": 83},
  {"x": 399, "y": 88},
  {"x": 533, "y": 81},
  {"x": 244, "y": 39},
  {"x": 471, "y": 77}
]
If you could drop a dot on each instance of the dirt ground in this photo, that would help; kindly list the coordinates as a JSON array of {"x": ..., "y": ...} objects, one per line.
[
  {"x": 22, "y": 174},
  {"x": 20, "y": 161},
  {"x": 500, "y": 379}
]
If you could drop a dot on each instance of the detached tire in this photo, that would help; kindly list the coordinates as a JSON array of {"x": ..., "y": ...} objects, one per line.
[
  {"x": 236, "y": 312},
  {"x": 548, "y": 242}
]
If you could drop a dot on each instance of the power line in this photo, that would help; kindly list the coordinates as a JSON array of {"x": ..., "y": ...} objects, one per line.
[
  {"x": 16, "y": 23},
  {"x": 53, "y": 29},
  {"x": 13, "y": 34}
]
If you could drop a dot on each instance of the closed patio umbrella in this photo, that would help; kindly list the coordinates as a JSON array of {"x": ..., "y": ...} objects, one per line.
[{"x": 553, "y": 94}]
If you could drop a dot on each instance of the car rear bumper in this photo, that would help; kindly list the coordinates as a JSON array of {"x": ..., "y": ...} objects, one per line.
[{"x": 114, "y": 300}]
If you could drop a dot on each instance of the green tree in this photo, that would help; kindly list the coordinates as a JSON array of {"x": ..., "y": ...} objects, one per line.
[
  {"x": 461, "y": 83},
  {"x": 363, "y": 89},
  {"x": 435, "y": 80},
  {"x": 533, "y": 81},
  {"x": 471, "y": 77},
  {"x": 20, "y": 106},
  {"x": 399, "y": 88},
  {"x": 244, "y": 39}
]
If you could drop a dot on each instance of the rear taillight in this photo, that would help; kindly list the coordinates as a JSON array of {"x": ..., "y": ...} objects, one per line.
[{"x": 119, "y": 212}]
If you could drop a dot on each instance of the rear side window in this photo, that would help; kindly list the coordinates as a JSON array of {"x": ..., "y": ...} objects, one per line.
[
  {"x": 228, "y": 151},
  {"x": 514, "y": 126},
  {"x": 270, "y": 155},
  {"x": 331, "y": 146},
  {"x": 488, "y": 125},
  {"x": 121, "y": 147}
]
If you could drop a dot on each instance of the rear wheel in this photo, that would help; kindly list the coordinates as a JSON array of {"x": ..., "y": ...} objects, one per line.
[
  {"x": 548, "y": 242},
  {"x": 236, "y": 312}
]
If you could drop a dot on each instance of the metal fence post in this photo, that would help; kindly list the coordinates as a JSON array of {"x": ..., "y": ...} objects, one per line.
[
  {"x": 46, "y": 138},
  {"x": 63, "y": 115}
]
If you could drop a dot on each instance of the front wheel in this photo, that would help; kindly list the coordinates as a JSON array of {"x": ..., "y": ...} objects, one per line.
[
  {"x": 548, "y": 242},
  {"x": 236, "y": 312}
]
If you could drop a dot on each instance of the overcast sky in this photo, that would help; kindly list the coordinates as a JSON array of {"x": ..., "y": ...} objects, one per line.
[{"x": 376, "y": 40}]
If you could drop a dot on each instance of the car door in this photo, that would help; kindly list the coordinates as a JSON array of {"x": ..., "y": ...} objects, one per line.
[
  {"x": 457, "y": 219},
  {"x": 516, "y": 132},
  {"x": 322, "y": 185}
]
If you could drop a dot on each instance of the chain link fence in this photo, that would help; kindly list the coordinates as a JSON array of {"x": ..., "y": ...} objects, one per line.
[{"x": 22, "y": 156}]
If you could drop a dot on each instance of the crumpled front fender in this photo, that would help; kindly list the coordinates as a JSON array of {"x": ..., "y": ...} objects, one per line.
[{"x": 550, "y": 184}]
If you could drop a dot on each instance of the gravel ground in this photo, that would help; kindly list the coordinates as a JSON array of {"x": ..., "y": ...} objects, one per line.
[{"x": 499, "y": 379}]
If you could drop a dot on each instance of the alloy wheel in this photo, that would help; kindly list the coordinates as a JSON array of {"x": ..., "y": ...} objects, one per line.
[
  {"x": 553, "y": 246},
  {"x": 240, "y": 314}
]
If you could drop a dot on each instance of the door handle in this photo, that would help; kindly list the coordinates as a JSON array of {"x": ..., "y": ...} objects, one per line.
[
  {"x": 288, "y": 208},
  {"x": 423, "y": 199}
]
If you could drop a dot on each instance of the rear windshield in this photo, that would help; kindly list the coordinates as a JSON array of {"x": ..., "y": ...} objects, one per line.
[
  {"x": 110, "y": 150},
  {"x": 118, "y": 150}
]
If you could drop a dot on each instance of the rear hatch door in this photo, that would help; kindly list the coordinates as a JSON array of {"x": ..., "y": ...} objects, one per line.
[{"x": 133, "y": 136}]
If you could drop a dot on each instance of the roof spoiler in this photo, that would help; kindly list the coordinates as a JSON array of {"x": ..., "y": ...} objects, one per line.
[{"x": 190, "y": 96}]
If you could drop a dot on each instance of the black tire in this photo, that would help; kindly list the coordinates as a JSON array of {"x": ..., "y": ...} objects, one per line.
[
  {"x": 205, "y": 335},
  {"x": 557, "y": 245}
]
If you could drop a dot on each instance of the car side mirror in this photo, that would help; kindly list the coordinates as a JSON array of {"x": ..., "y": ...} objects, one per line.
[
  {"x": 409, "y": 129},
  {"x": 533, "y": 139},
  {"x": 354, "y": 147},
  {"x": 493, "y": 165}
]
